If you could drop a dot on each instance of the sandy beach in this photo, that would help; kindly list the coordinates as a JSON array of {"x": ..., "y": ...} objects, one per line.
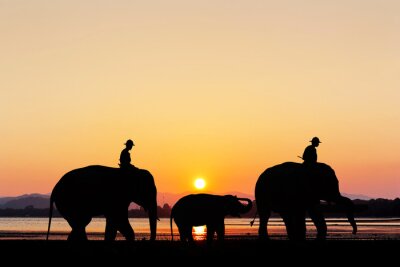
[
  {"x": 231, "y": 251},
  {"x": 376, "y": 243}
]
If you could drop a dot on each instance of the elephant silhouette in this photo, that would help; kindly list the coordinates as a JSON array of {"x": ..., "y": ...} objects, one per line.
[
  {"x": 292, "y": 189},
  {"x": 96, "y": 190},
  {"x": 206, "y": 209}
]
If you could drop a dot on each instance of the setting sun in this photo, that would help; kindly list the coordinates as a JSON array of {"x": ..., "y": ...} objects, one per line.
[{"x": 199, "y": 183}]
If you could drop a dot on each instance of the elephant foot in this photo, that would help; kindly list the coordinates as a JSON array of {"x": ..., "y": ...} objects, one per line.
[
  {"x": 191, "y": 244},
  {"x": 264, "y": 238},
  {"x": 321, "y": 238},
  {"x": 77, "y": 237},
  {"x": 130, "y": 239}
]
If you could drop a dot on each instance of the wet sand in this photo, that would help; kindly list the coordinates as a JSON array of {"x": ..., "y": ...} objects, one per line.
[
  {"x": 233, "y": 251},
  {"x": 372, "y": 246},
  {"x": 340, "y": 233}
]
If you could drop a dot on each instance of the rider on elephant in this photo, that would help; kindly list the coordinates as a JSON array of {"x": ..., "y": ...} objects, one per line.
[
  {"x": 310, "y": 153},
  {"x": 125, "y": 157}
]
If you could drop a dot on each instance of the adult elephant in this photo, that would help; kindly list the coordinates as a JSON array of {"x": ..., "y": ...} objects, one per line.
[
  {"x": 206, "y": 209},
  {"x": 292, "y": 189},
  {"x": 92, "y": 191}
]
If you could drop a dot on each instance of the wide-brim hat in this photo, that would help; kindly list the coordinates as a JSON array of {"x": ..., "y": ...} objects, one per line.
[
  {"x": 129, "y": 142},
  {"x": 315, "y": 139}
]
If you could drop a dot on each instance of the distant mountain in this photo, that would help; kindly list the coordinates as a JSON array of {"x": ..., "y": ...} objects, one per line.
[
  {"x": 38, "y": 201},
  {"x": 356, "y": 196},
  {"x": 41, "y": 201},
  {"x": 4, "y": 200}
]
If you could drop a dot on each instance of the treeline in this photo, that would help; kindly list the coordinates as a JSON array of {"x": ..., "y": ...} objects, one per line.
[
  {"x": 162, "y": 212},
  {"x": 365, "y": 208},
  {"x": 28, "y": 211},
  {"x": 379, "y": 207}
]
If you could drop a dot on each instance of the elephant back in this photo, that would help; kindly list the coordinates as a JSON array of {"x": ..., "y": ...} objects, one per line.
[
  {"x": 86, "y": 188},
  {"x": 290, "y": 183},
  {"x": 279, "y": 184}
]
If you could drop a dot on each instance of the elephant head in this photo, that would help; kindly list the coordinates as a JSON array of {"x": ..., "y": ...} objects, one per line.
[
  {"x": 325, "y": 186},
  {"x": 234, "y": 207},
  {"x": 321, "y": 182},
  {"x": 144, "y": 193}
]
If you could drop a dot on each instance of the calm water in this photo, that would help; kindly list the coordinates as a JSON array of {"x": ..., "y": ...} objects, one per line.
[{"x": 36, "y": 228}]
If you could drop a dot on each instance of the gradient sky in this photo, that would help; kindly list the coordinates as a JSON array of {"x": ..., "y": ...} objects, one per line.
[{"x": 217, "y": 89}]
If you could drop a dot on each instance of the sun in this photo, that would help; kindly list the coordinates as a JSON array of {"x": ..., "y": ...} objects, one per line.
[{"x": 199, "y": 183}]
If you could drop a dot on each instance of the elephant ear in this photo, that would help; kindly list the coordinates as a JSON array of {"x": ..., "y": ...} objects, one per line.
[
  {"x": 323, "y": 183},
  {"x": 144, "y": 191}
]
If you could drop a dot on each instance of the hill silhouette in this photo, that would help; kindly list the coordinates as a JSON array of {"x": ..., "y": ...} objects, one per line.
[
  {"x": 37, "y": 202},
  {"x": 379, "y": 208},
  {"x": 41, "y": 201}
]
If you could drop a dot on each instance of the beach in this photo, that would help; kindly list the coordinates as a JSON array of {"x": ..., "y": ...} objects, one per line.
[
  {"x": 374, "y": 243},
  {"x": 30, "y": 228},
  {"x": 233, "y": 252}
]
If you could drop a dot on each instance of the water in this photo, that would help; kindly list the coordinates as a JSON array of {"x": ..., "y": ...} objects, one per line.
[{"x": 338, "y": 228}]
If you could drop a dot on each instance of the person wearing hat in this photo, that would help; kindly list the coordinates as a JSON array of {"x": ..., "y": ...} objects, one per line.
[
  {"x": 125, "y": 157},
  {"x": 310, "y": 153}
]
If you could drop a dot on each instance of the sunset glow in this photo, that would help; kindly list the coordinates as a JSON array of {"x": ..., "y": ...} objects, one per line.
[
  {"x": 211, "y": 88},
  {"x": 199, "y": 183}
]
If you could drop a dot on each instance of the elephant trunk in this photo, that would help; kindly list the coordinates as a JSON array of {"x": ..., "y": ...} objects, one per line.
[
  {"x": 347, "y": 206},
  {"x": 246, "y": 208},
  {"x": 350, "y": 217}
]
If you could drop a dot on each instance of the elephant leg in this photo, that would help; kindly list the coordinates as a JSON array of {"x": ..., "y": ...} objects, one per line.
[
  {"x": 126, "y": 230},
  {"x": 263, "y": 227},
  {"x": 190, "y": 235},
  {"x": 299, "y": 225},
  {"x": 77, "y": 234},
  {"x": 78, "y": 226},
  {"x": 319, "y": 221},
  {"x": 295, "y": 222},
  {"x": 111, "y": 230},
  {"x": 185, "y": 232},
  {"x": 220, "y": 229},
  {"x": 210, "y": 233},
  {"x": 181, "y": 233},
  {"x": 287, "y": 219}
]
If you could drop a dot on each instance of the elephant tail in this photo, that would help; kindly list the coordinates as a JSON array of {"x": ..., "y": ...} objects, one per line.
[
  {"x": 50, "y": 215},
  {"x": 252, "y": 222},
  {"x": 170, "y": 223}
]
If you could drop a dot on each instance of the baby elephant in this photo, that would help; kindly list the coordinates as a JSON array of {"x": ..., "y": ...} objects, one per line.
[{"x": 206, "y": 209}]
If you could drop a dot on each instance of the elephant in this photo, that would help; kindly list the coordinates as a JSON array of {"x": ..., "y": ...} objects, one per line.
[
  {"x": 99, "y": 190},
  {"x": 294, "y": 189},
  {"x": 206, "y": 209}
]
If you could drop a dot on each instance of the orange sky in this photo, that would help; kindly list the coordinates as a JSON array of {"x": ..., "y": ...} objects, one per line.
[{"x": 218, "y": 89}]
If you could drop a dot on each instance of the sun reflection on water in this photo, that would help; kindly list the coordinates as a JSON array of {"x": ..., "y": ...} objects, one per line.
[{"x": 199, "y": 232}]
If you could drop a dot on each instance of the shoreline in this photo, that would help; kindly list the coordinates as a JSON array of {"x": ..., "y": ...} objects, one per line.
[
  {"x": 235, "y": 251},
  {"x": 140, "y": 236}
]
